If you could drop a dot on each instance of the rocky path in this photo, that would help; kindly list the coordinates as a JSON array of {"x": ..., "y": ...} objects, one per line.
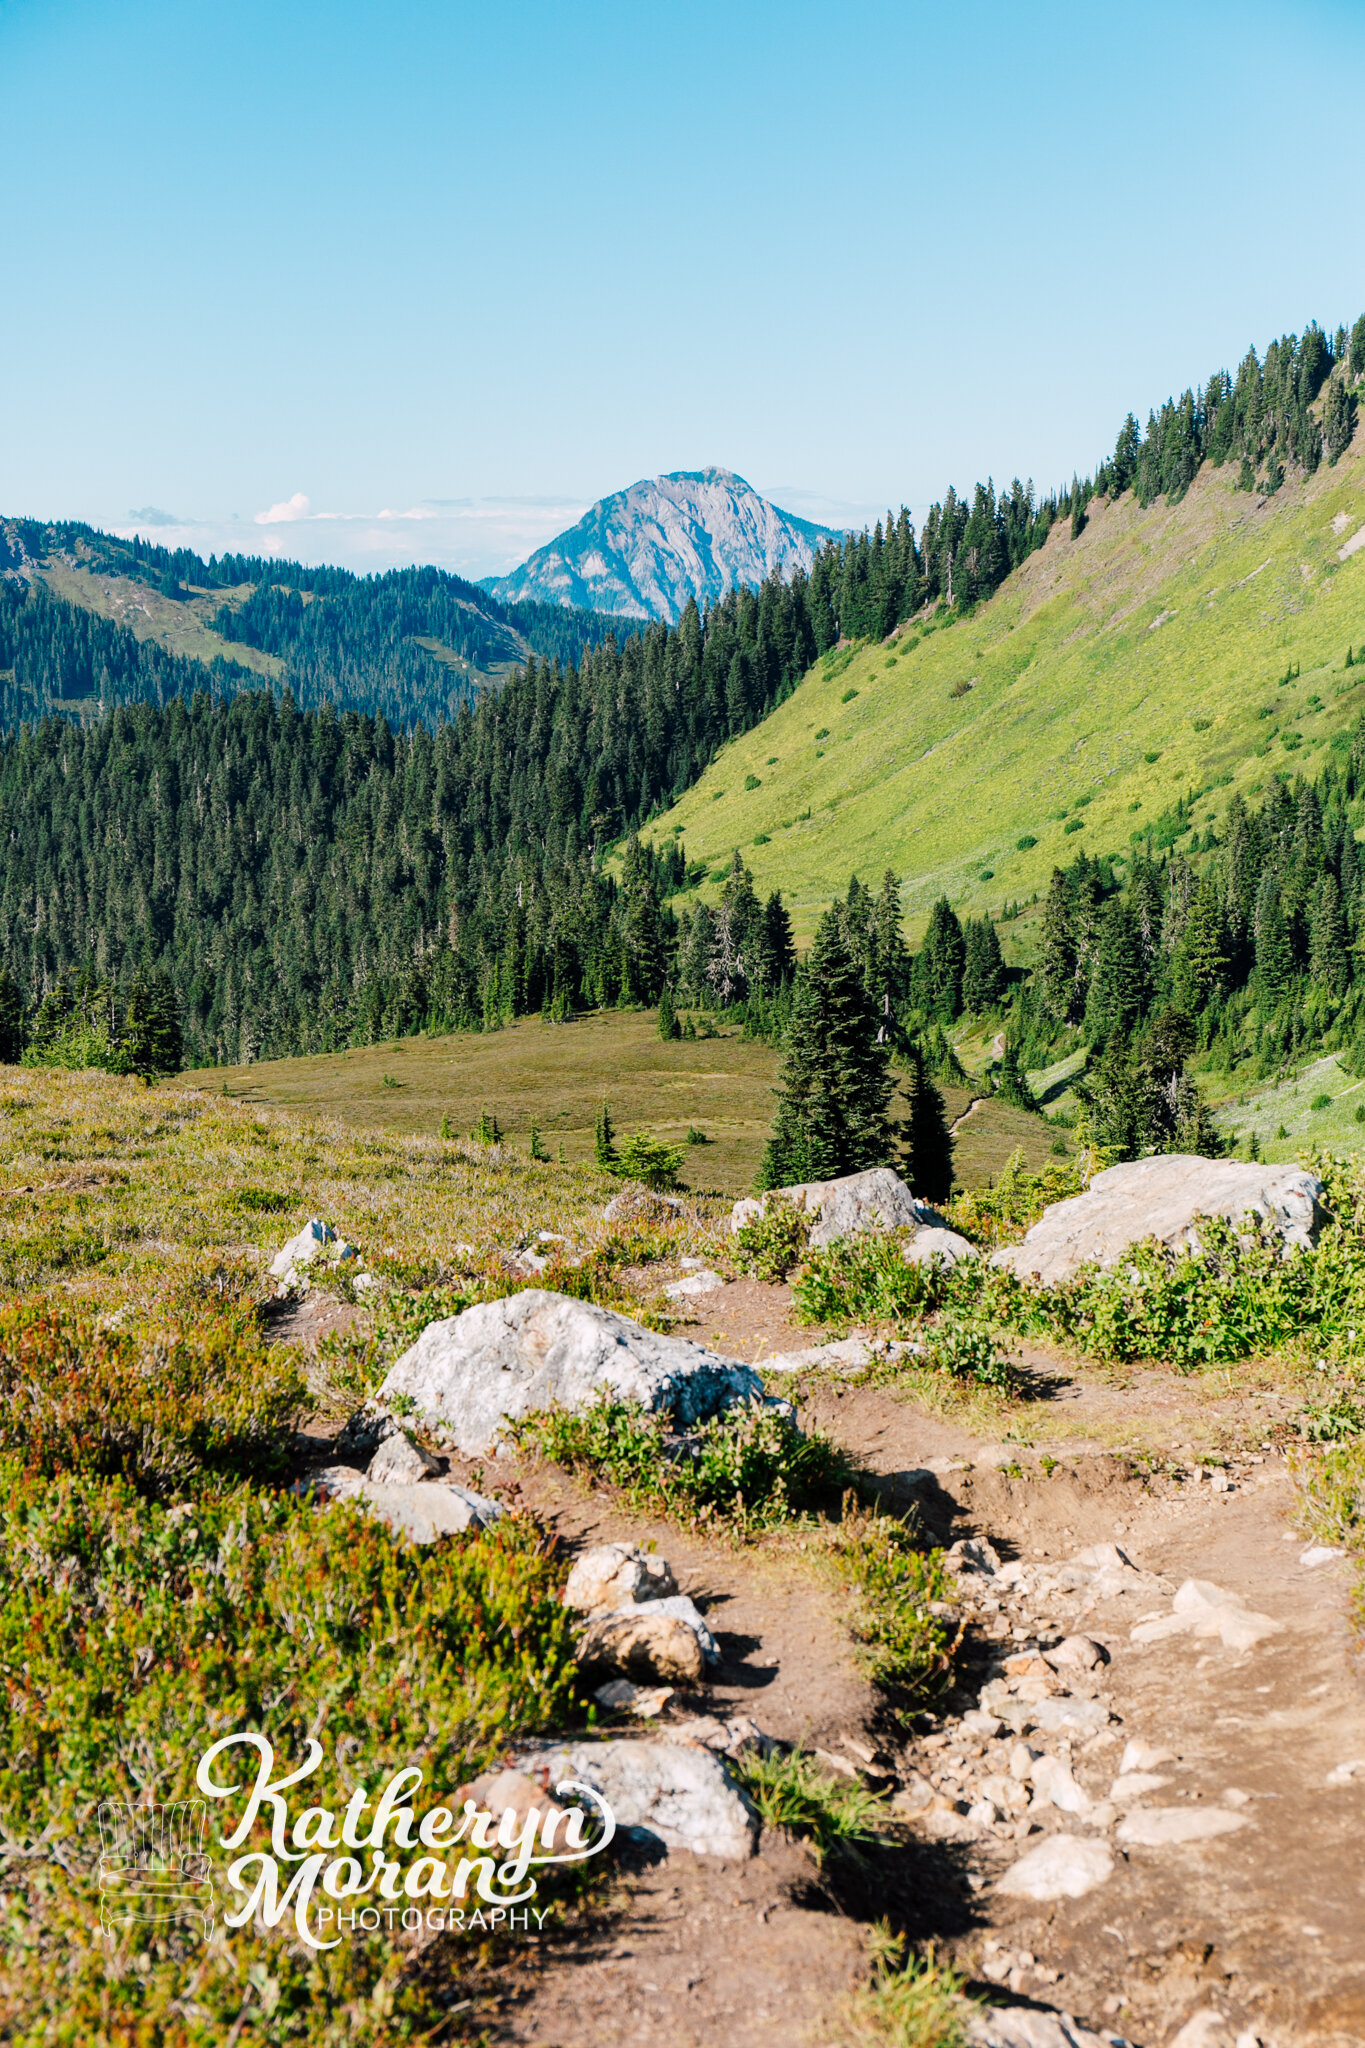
[{"x": 1143, "y": 1808}]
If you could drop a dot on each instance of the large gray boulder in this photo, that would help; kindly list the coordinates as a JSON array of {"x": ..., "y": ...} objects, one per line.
[
  {"x": 683, "y": 1798},
  {"x": 875, "y": 1200},
  {"x": 1161, "y": 1197},
  {"x": 472, "y": 1373}
]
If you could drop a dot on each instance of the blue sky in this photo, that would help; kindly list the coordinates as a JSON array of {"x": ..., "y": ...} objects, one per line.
[{"x": 423, "y": 280}]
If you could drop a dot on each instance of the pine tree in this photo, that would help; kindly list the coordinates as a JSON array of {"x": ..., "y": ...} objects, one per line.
[
  {"x": 983, "y": 971},
  {"x": 1201, "y": 968},
  {"x": 669, "y": 1027},
  {"x": 1011, "y": 1082},
  {"x": 1057, "y": 951},
  {"x": 11, "y": 1019},
  {"x": 1329, "y": 963},
  {"x": 778, "y": 947},
  {"x": 604, "y": 1139},
  {"x": 927, "y": 1148},
  {"x": 939, "y": 964},
  {"x": 835, "y": 1085},
  {"x": 889, "y": 961},
  {"x": 1274, "y": 942}
]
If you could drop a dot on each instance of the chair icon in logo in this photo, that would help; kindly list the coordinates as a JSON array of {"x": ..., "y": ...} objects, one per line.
[{"x": 153, "y": 1868}]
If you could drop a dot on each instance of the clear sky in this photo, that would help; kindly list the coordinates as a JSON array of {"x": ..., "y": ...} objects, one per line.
[{"x": 419, "y": 280}]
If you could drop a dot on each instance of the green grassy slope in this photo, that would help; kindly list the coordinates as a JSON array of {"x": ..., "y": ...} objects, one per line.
[{"x": 1111, "y": 675}]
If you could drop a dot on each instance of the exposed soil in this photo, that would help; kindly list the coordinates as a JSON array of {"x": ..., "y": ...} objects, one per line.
[{"x": 1264, "y": 1923}]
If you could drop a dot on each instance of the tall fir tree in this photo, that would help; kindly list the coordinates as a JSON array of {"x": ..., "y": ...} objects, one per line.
[{"x": 835, "y": 1081}]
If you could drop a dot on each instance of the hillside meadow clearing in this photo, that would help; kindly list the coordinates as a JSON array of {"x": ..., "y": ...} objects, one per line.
[
  {"x": 1115, "y": 673},
  {"x": 556, "y": 1076}
]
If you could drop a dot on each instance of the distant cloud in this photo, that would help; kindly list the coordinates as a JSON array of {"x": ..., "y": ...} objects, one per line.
[
  {"x": 297, "y": 507},
  {"x": 471, "y": 536}
]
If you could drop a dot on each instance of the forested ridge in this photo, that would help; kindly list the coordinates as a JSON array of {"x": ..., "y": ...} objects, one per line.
[{"x": 309, "y": 873}]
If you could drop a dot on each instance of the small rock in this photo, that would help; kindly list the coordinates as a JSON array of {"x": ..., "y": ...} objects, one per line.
[
  {"x": 1102, "y": 1814},
  {"x": 682, "y": 1798},
  {"x": 1318, "y": 1553},
  {"x": 1206, "y": 2028},
  {"x": 1141, "y": 1756},
  {"x": 1022, "y": 1760},
  {"x": 985, "y": 1727},
  {"x": 621, "y": 1697},
  {"x": 1079, "y": 1653},
  {"x": 1130, "y": 1786},
  {"x": 303, "y": 1249},
  {"x": 705, "y": 1282},
  {"x": 503, "y": 1791},
  {"x": 611, "y": 1576},
  {"x": 1202, "y": 1610},
  {"x": 1018, "y": 2026},
  {"x": 1164, "y": 1827},
  {"x": 1009, "y": 1794},
  {"x": 1344, "y": 1773},
  {"x": 401, "y": 1462},
  {"x": 424, "y": 1513},
  {"x": 642, "y": 1205},
  {"x": 643, "y": 1645},
  {"x": 973, "y": 1554},
  {"x": 1062, "y": 1867},
  {"x": 1068, "y": 1716},
  {"x": 1053, "y": 1785}
]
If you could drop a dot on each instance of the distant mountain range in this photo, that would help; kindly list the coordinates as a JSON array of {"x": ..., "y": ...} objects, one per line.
[{"x": 645, "y": 551}]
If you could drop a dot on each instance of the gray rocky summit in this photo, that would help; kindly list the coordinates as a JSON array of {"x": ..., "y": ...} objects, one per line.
[{"x": 645, "y": 551}]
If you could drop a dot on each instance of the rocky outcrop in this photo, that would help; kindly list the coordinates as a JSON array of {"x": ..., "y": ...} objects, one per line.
[
  {"x": 1162, "y": 1197},
  {"x": 469, "y": 1375},
  {"x": 678, "y": 1797},
  {"x": 876, "y": 1200}
]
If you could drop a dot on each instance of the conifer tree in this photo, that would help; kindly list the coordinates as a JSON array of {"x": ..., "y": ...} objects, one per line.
[
  {"x": 604, "y": 1139},
  {"x": 1057, "y": 951},
  {"x": 778, "y": 947},
  {"x": 927, "y": 1143},
  {"x": 835, "y": 1084},
  {"x": 669, "y": 1027},
  {"x": 983, "y": 969},
  {"x": 939, "y": 964},
  {"x": 11, "y": 1019}
]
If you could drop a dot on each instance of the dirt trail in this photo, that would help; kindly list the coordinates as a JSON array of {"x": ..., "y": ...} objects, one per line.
[{"x": 1262, "y": 1922}]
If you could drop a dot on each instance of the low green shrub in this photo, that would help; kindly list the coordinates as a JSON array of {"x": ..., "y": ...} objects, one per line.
[
  {"x": 134, "y": 1636},
  {"x": 866, "y": 1278},
  {"x": 166, "y": 1409},
  {"x": 751, "y": 1467},
  {"x": 1002, "y": 1212},
  {"x": 770, "y": 1244},
  {"x": 912, "y": 2001},
  {"x": 896, "y": 1584},
  {"x": 645, "y": 1158},
  {"x": 794, "y": 1792},
  {"x": 968, "y": 1352}
]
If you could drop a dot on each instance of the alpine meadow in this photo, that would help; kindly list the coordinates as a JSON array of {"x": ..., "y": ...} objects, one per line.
[{"x": 713, "y": 1250}]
